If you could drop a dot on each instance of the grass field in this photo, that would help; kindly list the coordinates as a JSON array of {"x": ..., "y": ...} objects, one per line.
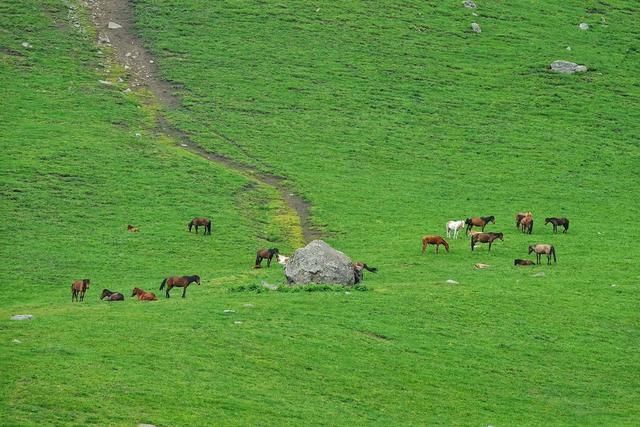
[{"x": 390, "y": 119}]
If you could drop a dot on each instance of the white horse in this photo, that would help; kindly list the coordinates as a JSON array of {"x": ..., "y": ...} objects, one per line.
[
  {"x": 454, "y": 227},
  {"x": 282, "y": 259}
]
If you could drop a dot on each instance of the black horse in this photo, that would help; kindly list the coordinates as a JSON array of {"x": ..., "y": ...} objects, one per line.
[
  {"x": 111, "y": 296},
  {"x": 206, "y": 222},
  {"x": 556, "y": 222},
  {"x": 267, "y": 254}
]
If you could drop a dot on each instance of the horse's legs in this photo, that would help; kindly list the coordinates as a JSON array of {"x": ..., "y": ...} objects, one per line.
[
  {"x": 167, "y": 291},
  {"x": 269, "y": 261},
  {"x": 490, "y": 245},
  {"x": 437, "y": 247},
  {"x": 184, "y": 291}
]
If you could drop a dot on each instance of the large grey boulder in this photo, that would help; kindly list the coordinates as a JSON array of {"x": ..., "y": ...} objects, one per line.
[
  {"x": 319, "y": 263},
  {"x": 567, "y": 67}
]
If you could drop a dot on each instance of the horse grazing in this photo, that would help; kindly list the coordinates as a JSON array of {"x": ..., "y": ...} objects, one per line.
[
  {"x": 179, "y": 282},
  {"x": 556, "y": 222},
  {"x": 454, "y": 227},
  {"x": 78, "y": 288},
  {"x": 132, "y": 229},
  {"x": 143, "y": 295},
  {"x": 523, "y": 262},
  {"x": 540, "y": 249},
  {"x": 267, "y": 254},
  {"x": 519, "y": 217},
  {"x": 485, "y": 238},
  {"x": 206, "y": 222},
  {"x": 358, "y": 271},
  {"x": 111, "y": 296},
  {"x": 434, "y": 240},
  {"x": 283, "y": 259},
  {"x": 526, "y": 224},
  {"x": 479, "y": 221}
]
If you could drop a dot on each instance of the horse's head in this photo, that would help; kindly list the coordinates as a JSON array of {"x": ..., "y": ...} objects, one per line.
[
  {"x": 86, "y": 283},
  {"x": 136, "y": 291},
  {"x": 531, "y": 249},
  {"x": 500, "y": 236},
  {"x": 547, "y": 221},
  {"x": 492, "y": 219},
  {"x": 105, "y": 293},
  {"x": 197, "y": 279},
  {"x": 274, "y": 251},
  {"x": 467, "y": 221}
]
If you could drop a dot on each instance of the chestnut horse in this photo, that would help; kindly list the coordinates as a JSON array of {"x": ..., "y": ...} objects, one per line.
[
  {"x": 556, "y": 222},
  {"x": 79, "y": 287},
  {"x": 179, "y": 282},
  {"x": 267, "y": 254},
  {"x": 540, "y": 249},
  {"x": 206, "y": 222},
  {"x": 434, "y": 240},
  {"x": 526, "y": 224},
  {"x": 523, "y": 262},
  {"x": 143, "y": 295},
  {"x": 519, "y": 217},
  {"x": 111, "y": 296},
  {"x": 358, "y": 271},
  {"x": 479, "y": 221},
  {"x": 485, "y": 238}
]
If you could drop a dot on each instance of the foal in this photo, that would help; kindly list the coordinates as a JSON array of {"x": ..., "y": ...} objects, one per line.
[
  {"x": 79, "y": 287},
  {"x": 143, "y": 295},
  {"x": 485, "y": 238},
  {"x": 434, "y": 240},
  {"x": 267, "y": 254},
  {"x": 540, "y": 249},
  {"x": 556, "y": 222}
]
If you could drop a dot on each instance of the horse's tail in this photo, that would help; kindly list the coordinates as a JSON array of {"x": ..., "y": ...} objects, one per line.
[
  {"x": 553, "y": 252},
  {"x": 371, "y": 269},
  {"x": 163, "y": 283},
  {"x": 209, "y": 226},
  {"x": 566, "y": 229}
]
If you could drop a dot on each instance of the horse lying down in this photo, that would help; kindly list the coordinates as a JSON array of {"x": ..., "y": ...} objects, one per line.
[{"x": 358, "y": 271}]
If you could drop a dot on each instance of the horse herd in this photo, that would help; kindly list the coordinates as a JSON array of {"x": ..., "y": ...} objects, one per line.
[{"x": 524, "y": 222}]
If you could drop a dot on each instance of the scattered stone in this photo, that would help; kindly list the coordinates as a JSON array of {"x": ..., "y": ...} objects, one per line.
[
  {"x": 569, "y": 48},
  {"x": 127, "y": 90},
  {"x": 469, "y": 4},
  {"x": 583, "y": 26},
  {"x": 229, "y": 311},
  {"x": 151, "y": 61},
  {"x": 114, "y": 26},
  {"x": 474, "y": 14},
  {"x": 105, "y": 82},
  {"x": 539, "y": 274},
  {"x": 476, "y": 27},
  {"x": 146, "y": 425},
  {"x": 567, "y": 67},
  {"x": 126, "y": 67},
  {"x": 22, "y": 317},
  {"x": 248, "y": 305},
  {"x": 347, "y": 293},
  {"x": 319, "y": 263},
  {"x": 128, "y": 54},
  {"x": 17, "y": 341},
  {"x": 26, "y": 45},
  {"x": 183, "y": 145},
  {"x": 138, "y": 135},
  {"x": 103, "y": 38},
  {"x": 238, "y": 322},
  {"x": 452, "y": 282},
  {"x": 481, "y": 265}
]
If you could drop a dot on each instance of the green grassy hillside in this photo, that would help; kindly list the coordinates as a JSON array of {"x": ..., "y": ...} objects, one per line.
[{"x": 390, "y": 119}]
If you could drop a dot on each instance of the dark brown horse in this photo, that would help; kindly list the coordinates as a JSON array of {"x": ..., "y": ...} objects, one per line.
[
  {"x": 197, "y": 222},
  {"x": 434, "y": 240},
  {"x": 485, "y": 238},
  {"x": 523, "y": 262},
  {"x": 556, "y": 222},
  {"x": 526, "y": 224},
  {"x": 267, "y": 254},
  {"x": 179, "y": 282},
  {"x": 358, "y": 271},
  {"x": 479, "y": 221},
  {"x": 111, "y": 296},
  {"x": 79, "y": 287},
  {"x": 143, "y": 295},
  {"x": 540, "y": 249}
]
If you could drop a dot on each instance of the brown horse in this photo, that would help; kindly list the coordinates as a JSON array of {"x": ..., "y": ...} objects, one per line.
[
  {"x": 519, "y": 217},
  {"x": 485, "y": 238},
  {"x": 540, "y": 249},
  {"x": 526, "y": 224},
  {"x": 479, "y": 221},
  {"x": 267, "y": 254},
  {"x": 523, "y": 262},
  {"x": 556, "y": 222},
  {"x": 79, "y": 287},
  {"x": 434, "y": 240},
  {"x": 143, "y": 295},
  {"x": 132, "y": 229},
  {"x": 358, "y": 271},
  {"x": 111, "y": 296},
  {"x": 206, "y": 222},
  {"x": 179, "y": 282}
]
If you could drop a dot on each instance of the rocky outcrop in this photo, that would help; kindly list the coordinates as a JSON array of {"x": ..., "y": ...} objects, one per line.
[{"x": 567, "y": 67}]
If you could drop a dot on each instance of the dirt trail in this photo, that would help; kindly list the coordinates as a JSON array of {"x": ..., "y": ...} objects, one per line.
[{"x": 143, "y": 73}]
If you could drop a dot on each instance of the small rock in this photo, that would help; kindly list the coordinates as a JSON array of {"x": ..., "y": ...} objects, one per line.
[
  {"x": 469, "y": 4},
  {"x": 474, "y": 14},
  {"x": 17, "y": 341},
  {"x": 452, "y": 282},
  {"x": 539, "y": 274},
  {"x": 567, "y": 67},
  {"x": 476, "y": 27},
  {"x": 229, "y": 311},
  {"x": 569, "y": 48},
  {"x": 102, "y": 38},
  {"x": 128, "y": 54},
  {"x": 583, "y": 26},
  {"x": 146, "y": 425},
  {"x": 614, "y": 285},
  {"x": 127, "y": 90},
  {"x": 138, "y": 135},
  {"x": 347, "y": 293},
  {"x": 22, "y": 317},
  {"x": 126, "y": 67},
  {"x": 26, "y": 45},
  {"x": 105, "y": 82},
  {"x": 238, "y": 322},
  {"x": 248, "y": 305},
  {"x": 151, "y": 61},
  {"x": 114, "y": 26},
  {"x": 480, "y": 265},
  {"x": 183, "y": 145}
]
